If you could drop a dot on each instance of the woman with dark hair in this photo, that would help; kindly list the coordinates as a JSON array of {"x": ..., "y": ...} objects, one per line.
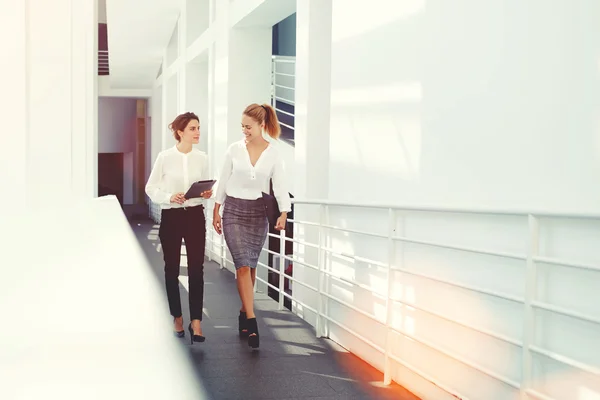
[
  {"x": 174, "y": 171},
  {"x": 248, "y": 167}
]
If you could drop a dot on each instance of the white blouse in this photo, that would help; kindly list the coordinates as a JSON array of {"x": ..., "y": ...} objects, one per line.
[
  {"x": 174, "y": 172},
  {"x": 242, "y": 180}
]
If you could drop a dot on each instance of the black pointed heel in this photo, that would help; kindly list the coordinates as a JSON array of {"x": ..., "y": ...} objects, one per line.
[
  {"x": 253, "y": 338},
  {"x": 243, "y": 324},
  {"x": 195, "y": 338}
]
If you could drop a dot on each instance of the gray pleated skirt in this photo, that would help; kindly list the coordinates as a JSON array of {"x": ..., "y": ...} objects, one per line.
[{"x": 245, "y": 227}]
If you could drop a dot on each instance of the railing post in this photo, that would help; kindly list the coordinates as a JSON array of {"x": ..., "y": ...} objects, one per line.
[
  {"x": 387, "y": 369},
  {"x": 529, "y": 313},
  {"x": 222, "y": 251},
  {"x": 273, "y": 81},
  {"x": 209, "y": 245},
  {"x": 320, "y": 262},
  {"x": 281, "y": 267}
]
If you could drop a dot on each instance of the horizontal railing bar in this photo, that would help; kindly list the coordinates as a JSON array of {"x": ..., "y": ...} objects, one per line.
[
  {"x": 566, "y": 360},
  {"x": 554, "y": 261},
  {"x": 306, "y": 285},
  {"x": 285, "y": 112},
  {"x": 284, "y": 87},
  {"x": 284, "y": 59},
  {"x": 359, "y": 336},
  {"x": 300, "y": 302},
  {"x": 353, "y": 283},
  {"x": 463, "y": 324},
  {"x": 285, "y": 257},
  {"x": 356, "y": 258},
  {"x": 295, "y": 221},
  {"x": 284, "y": 100},
  {"x": 294, "y": 260},
  {"x": 458, "y": 358},
  {"x": 287, "y": 126},
  {"x": 565, "y": 312},
  {"x": 460, "y": 285},
  {"x": 440, "y": 209},
  {"x": 428, "y": 377},
  {"x": 271, "y": 252},
  {"x": 284, "y": 74},
  {"x": 302, "y": 242},
  {"x": 461, "y": 248},
  {"x": 354, "y": 308},
  {"x": 377, "y": 235},
  {"x": 267, "y": 267},
  {"x": 267, "y": 283}
]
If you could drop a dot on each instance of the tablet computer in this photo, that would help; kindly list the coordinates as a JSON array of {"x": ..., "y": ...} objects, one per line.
[{"x": 199, "y": 187}]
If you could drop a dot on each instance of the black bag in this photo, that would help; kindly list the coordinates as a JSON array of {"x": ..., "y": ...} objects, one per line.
[{"x": 271, "y": 208}]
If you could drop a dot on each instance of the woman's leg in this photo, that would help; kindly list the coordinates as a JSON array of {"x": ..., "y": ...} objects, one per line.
[
  {"x": 170, "y": 234},
  {"x": 246, "y": 290},
  {"x": 253, "y": 276},
  {"x": 195, "y": 243}
]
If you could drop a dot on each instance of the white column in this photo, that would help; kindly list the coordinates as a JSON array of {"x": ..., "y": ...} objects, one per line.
[
  {"x": 164, "y": 132},
  {"x": 182, "y": 55},
  {"x": 197, "y": 98},
  {"x": 219, "y": 65},
  {"x": 313, "y": 94},
  {"x": 14, "y": 171},
  {"x": 249, "y": 80},
  {"x": 313, "y": 90},
  {"x": 49, "y": 119}
]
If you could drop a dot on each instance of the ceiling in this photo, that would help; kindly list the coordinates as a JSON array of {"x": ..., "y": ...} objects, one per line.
[{"x": 138, "y": 34}]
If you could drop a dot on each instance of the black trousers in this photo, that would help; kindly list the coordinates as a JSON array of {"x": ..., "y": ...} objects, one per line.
[{"x": 188, "y": 224}]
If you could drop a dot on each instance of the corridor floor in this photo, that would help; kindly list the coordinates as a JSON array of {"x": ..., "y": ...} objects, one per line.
[{"x": 291, "y": 363}]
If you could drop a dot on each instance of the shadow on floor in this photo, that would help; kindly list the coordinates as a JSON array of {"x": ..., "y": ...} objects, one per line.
[{"x": 291, "y": 364}]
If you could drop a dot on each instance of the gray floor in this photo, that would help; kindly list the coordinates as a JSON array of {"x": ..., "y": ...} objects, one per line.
[{"x": 291, "y": 363}]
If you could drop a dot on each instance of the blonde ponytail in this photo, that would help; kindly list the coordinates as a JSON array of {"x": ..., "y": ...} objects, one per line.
[{"x": 265, "y": 113}]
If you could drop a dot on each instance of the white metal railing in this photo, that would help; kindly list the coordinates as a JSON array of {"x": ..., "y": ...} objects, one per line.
[
  {"x": 529, "y": 301},
  {"x": 283, "y": 84}
]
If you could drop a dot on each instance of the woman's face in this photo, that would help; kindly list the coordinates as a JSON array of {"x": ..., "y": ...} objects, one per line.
[
  {"x": 251, "y": 129},
  {"x": 191, "y": 133}
]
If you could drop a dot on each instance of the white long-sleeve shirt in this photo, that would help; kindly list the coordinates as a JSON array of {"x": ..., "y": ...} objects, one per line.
[
  {"x": 239, "y": 178},
  {"x": 175, "y": 172}
]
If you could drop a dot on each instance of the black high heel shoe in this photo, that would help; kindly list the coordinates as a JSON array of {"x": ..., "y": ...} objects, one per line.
[
  {"x": 195, "y": 338},
  {"x": 243, "y": 324},
  {"x": 179, "y": 334},
  {"x": 253, "y": 339}
]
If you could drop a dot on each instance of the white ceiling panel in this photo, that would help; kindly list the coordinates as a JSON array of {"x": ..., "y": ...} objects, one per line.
[{"x": 138, "y": 35}]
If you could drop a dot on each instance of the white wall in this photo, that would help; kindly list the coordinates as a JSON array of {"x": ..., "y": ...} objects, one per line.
[
  {"x": 471, "y": 112},
  {"x": 49, "y": 99},
  {"x": 471, "y": 104}
]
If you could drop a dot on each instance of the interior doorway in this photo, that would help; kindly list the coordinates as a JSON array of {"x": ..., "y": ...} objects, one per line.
[{"x": 110, "y": 175}]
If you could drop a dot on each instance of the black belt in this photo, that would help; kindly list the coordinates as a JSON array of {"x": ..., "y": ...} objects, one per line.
[{"x": 185, "y": 208}]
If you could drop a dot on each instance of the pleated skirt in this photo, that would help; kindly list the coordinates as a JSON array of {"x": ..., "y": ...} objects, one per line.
[{"x": 245, "y": 227}]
